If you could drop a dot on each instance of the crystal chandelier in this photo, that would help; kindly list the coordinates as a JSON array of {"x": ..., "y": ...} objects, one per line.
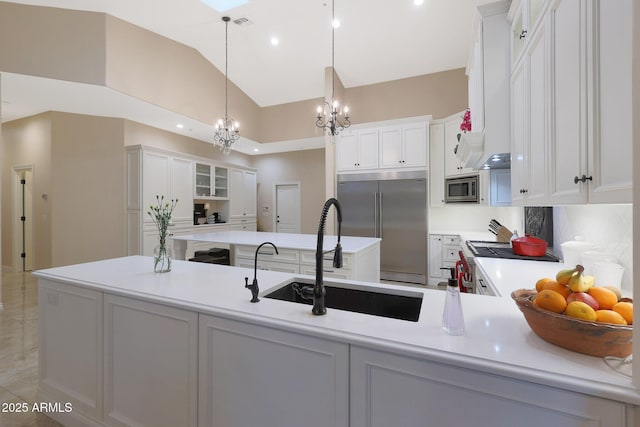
[
  {"x": 329, "y": 113},
  {"x": 227, "y": 130}
]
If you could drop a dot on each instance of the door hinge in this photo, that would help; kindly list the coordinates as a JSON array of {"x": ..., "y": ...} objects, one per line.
[
  {"x": 23, "y": 255},
  {"x": 23, "y": 218}
]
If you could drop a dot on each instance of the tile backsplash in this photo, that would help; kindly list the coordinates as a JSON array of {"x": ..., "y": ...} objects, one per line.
[{"x": 610, "y": 227}]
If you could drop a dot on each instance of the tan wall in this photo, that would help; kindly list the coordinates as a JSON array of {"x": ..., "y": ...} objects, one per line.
[
  {"x": 139, "y": 62},
  {"x": 88, "y": 196},
  {"x": 45, "y": 42},
  {"x": 439, "y": 94},
  {"x": 294, "y": 120},
  {"x": 305, "y": 167},
  {"x": 139, "y": 134},
  {"x": 28, "y": 142}
]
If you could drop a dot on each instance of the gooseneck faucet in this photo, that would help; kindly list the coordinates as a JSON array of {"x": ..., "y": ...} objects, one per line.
[
  {"x": 253, "y": 287},
  {"x": 318, "y": 289}
]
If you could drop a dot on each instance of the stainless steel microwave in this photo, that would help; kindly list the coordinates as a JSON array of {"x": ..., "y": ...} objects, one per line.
[{"x": 463, "y": 189}]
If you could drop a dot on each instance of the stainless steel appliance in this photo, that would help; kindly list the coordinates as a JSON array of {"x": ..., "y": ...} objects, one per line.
[
  {"x": 464, "y": 189},
  {"x": 393, "y": 207}
]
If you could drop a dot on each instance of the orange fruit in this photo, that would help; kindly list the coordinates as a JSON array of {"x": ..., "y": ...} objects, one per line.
[
  {"x": 615, "y": 289},
  {"x": 606, "y": 297},
  {"x": 540, "y": 283},
  {"x": 552, "y": 285},
  {"x": 625, "y": 309},
  {"x": 550, "y": 300},
  {"x": 610, "y": 316},
  {"x": 580, "y": 310}
]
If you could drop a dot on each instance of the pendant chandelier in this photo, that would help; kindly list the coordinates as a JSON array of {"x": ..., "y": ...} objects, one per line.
[
  {"x": 227, "y": 130},
  {"x": 329, "y": 113}
]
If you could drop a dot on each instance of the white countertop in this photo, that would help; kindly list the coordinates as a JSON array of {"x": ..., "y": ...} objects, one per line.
[
  {"x": 308, "y": 242},
  {"x": 497, "y": 340}
]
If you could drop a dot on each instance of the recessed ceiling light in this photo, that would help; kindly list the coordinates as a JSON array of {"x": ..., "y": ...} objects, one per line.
[
  {"x": 180, "y": 126},
  {"x": 275, "y": 41},
  {"x": 256, "y": 150},
  {"x": 336, "y": 23},
  {"x": 224, "y": 5},
  {"x": 418, "y": 2}
]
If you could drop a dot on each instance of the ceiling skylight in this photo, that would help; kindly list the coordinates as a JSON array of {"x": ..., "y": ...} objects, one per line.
[{"x": 224, "y": 5}]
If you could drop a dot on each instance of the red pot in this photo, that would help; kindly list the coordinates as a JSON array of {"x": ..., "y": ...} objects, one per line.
[{"x": 529, "y": 246}]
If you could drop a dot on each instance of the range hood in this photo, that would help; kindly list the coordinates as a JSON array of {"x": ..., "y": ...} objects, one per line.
[{"x": 474, "y": 153}]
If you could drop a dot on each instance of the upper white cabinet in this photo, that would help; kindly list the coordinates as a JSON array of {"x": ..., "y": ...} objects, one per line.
[
  {"x": 609, "y": 152},
  {"x": 529, "y": 118},
  {"x": 571, "y": 103},
  {"x": 211, "y": 182},
  {"x": 358, "y": 149},
  {"x": 527, "y": 14},
  {"x": 243, "y": 193},
  {"x": 370, "y": 148},
  {"x": 403, "y": 146}
]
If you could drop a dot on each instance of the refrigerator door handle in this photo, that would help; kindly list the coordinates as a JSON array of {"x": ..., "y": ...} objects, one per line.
[
  {"x": 380, "y": 214},
  {"x": 376, "y": 222}
]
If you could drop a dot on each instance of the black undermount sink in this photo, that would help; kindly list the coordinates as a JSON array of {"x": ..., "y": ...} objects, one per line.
[{"x": 396, "y": 304}]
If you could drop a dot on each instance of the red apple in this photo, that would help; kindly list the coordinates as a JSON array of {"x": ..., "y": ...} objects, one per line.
[{"x": 585, "y": 298}]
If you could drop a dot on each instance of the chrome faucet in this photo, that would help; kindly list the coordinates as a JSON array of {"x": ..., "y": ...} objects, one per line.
[
  {"x": 318, "y": 289},
  {"x": 253, "y": 287}
]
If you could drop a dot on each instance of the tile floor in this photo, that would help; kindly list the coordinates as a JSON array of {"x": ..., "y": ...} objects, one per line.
[{"x": 19, "y": 352}]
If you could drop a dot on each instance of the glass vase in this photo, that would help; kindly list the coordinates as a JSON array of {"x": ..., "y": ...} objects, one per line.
[{"x": 162, "y": 255}]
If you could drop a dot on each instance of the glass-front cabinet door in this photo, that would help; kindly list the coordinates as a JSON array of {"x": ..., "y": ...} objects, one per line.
[
  {"x": 221, "y": 186},
  {"x": 203, "y": 181}
]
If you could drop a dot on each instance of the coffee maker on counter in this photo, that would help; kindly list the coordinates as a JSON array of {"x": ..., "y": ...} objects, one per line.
[{"x": 199, "y": 212}]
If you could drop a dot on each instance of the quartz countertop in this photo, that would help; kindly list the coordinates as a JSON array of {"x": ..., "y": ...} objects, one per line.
[
  {"x": 497, "y": 339},
  {"x": 350, "y": 244}
]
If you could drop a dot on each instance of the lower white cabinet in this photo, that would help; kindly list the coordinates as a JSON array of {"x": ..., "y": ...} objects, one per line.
[
  {"x": 392, "y": 390},
  {"x": 121, "y": 361},
  {"x": 443, "y": 253},
  {"x": 70, "y": 347},
  {"x": 151, "y": 364},
  {"x": 252, "y": 375}
]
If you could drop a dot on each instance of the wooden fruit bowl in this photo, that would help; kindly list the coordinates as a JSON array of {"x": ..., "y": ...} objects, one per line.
[{"x": 591, "y": 338}]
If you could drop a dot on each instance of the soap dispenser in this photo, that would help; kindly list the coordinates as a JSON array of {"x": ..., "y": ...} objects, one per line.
[{"x": 452, "y": 319}]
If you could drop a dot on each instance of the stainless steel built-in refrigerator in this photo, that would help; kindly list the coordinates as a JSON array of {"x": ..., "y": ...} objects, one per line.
[{"x": 391, "y": 206}]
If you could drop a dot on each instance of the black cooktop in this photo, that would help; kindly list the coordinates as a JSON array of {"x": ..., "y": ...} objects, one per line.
[{"x": 503, "y": 250}]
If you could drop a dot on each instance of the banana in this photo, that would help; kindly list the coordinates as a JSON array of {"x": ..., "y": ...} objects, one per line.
[
  {"x": 564, "y": 276},
  {"x": 578, "y": 282}
]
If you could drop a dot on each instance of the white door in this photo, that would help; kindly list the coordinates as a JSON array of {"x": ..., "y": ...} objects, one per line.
[
  {"x": 288, "y": 208},
  {"x": 23, "y": 223}
]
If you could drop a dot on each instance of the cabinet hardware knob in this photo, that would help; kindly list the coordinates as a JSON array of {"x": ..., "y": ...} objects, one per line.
[
  {"x": 523, "y": 34},
  {"x": 584, "y": 178}
]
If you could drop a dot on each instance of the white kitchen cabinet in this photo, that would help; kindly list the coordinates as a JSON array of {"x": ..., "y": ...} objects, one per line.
[
  {"x": 610, "y": 143},
  {"x": 149, "y": 382},
  {"x": 403, "y": 146},
  {"x": 211, "y": 182},
  {"x": 386, "y": 388},
  {"x": 152, "y": 173},
  {"x": 525, "y": 17},
  {"x": 443, "y": 253},
  {"x": 436, "y": 163},
  {"x": 251, "y": 375},
  {"x": 357, "y": 149},
  {"x": 452, "y": 165},
  {"x": 568, "y": 143},
  {"x": 530, "y": 112},
  {"x": 571, "y": 103},
  {"x": 500, "y": 187},
  {"x": 70, "y": 357},
  {"x": 242, "y": 193},
  {"x": 475, "y": 73}
]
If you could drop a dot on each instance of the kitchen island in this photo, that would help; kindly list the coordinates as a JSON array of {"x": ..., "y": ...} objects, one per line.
[
  {"x": 126, "y": 346},
  {"x": 297, "y": 252}
]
